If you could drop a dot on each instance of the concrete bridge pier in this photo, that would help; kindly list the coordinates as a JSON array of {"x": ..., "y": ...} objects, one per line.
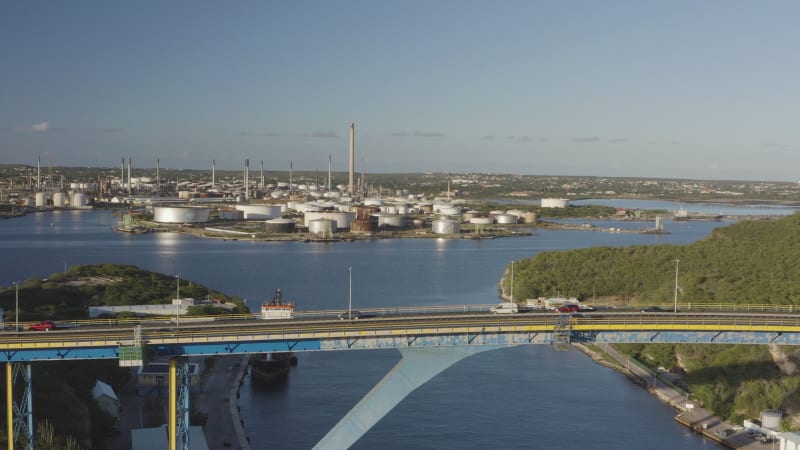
[{"x": 418, "y": 365}]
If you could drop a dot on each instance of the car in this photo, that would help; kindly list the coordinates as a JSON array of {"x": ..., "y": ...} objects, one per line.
[
  {"x": 650, "y": 309},
  {"x": 354, "y": 315},
  {"x": 568, "y": 308},
  {"x": 44, "y": 325}
]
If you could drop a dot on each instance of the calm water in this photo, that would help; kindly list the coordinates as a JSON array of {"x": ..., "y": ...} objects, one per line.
[{"x": 522, "y": 397}]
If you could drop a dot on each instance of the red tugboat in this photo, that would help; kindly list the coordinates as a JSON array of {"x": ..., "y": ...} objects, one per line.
[{"x": 269, "y": 369}]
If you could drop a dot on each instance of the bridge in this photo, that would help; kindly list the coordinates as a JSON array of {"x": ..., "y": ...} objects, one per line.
[{"x": 429, "y": 339}]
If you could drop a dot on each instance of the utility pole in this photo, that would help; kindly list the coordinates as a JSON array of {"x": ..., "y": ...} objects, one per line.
[{"x": 677, "y": 261}]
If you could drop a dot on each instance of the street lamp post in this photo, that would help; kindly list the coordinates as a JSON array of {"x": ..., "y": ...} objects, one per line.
[
  {"x": 512, "y": 281},
  {"x": 16, "y": 306},
  {"x": 177, "y": 299},
  {"x": 677, "y": 261},
  {"x": 350, "y": 293}
]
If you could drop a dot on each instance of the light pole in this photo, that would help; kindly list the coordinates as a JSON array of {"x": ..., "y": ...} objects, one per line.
[
  {"x": 16, "y": 306},
  {"x": 512, "y": 281},
  {"x": 177, "y": 299},
  {"x": 65, "y": 267},
  {"x": 350, "y": 293},
  {"x": 677, "y": 261}
]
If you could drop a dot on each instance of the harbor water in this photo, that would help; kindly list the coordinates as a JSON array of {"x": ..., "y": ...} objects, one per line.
[{"x": 521, "y": 397}]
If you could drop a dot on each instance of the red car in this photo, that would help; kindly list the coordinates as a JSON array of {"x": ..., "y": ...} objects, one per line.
[
  {"x": 45, "y": 325},
  {"x": 569, "y": 308}
]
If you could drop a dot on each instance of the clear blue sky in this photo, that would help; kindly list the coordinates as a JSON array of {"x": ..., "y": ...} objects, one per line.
[{"x": 685, "y": 89}]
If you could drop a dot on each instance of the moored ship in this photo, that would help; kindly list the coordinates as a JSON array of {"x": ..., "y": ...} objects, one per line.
[
  {"x": 682, "y": 214},
  {"x": 272, "y": 368}
]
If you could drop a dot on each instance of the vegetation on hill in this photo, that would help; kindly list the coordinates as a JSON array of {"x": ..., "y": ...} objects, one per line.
[
  {"x": 752, "y": 262},
  {"x": 62, "y": 396}
]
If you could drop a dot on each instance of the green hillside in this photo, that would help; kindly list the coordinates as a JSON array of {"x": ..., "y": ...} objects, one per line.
[
  {"x": 748, "y": 262},
  {"x": 753, "y": 262}
]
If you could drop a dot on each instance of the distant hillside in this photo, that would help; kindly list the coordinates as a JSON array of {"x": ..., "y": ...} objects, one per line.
[
  {"x": 756, "y": 262},
  {"x": 748, "y": 262},
  {"x": 68, "y": 295},
  {"x": 62, "y": 392}
]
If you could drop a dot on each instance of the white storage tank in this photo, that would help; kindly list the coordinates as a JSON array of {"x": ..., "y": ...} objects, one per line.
[
  {"x": 506, "y": 219},
  {"x": 181, "y": 214},
  {"x": 186, "y": 195},
  {"x": 481, "y": 220},
  {"x": 322, "y": 227},
  {"x": 74, "y": 185},
  {"x": 391, "y": 221},
  {"x": 470, "y": 214},
  {"x": 555, "y": 203},
  {"x": 373, "y": 202},
  {"x": 449, "y": 211},
  {"x": 41, "y": 199},
  {"x": 446, "y": 226},
  {"x": 515, "y": 212},
  {"x": 771, "y": 419},
  {"x": 529, "y": 217},
  {"x": 58, "y": 199},
  {"x": 255, "y": 212},
  {"x": 78, "y": 200},
  {"x": 341, "y": 220}
]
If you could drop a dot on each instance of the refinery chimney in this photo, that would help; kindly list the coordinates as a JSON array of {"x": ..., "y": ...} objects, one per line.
[
  {"x": 352, "y": 156},
  {"x": 130, "y": 186},
  {"x": 38, "y": 174},
  {"x": 213, "y": 173},
  {"x": 329, "y": 172},
  {"x": 122, "y": 176},
  {"x": 158, "y": 175}
]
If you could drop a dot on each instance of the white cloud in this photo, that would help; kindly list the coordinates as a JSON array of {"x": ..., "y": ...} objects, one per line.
[{"x": 44, "y": 126}]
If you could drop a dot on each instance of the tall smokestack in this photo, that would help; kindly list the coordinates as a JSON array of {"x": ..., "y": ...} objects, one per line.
[
  {"x": 38, "y": 173},
  {"x": 290, "y": 177},
  {"x": 352, "y": 156},
  {"x": 213, "y": 173},
  {"x": 262, "y": 174},
  {"x": 247, "y": 179},
  {"x": 329, "y": 172},
  {"x": 158, "y": 175},
  {"x": 122, "y": 176},
  {"x": 130, "y": 186}
]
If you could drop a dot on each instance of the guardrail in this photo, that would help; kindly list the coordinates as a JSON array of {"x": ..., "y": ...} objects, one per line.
[{"x": 408, "y": 310}]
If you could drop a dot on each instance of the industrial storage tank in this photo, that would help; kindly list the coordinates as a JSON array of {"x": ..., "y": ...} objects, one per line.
[
  {"x": 506, "y": 219},
  {"x": 481, "y": 220},
  {"x": 391, "y": 221},
  {"x": 254, "y": 212},
  {"x": 230, "y": 214},
  {"x": 280, "y": 226},
  {"x": 515, "y": 212},
  {"x": 181, "y": 214},
  {"x": 186, "y": 195},
  {"x": 530, "y": 217},
  {"x": 470, "y": 214},
  {"x": 58, "y": 199},
  {"x": 555, "y": 203},
  {"x": 449, "y": 211},
  {"x": 78, "y": 200},
  {"x": 41, "y": 199},
  {"x": 771, "y": 419},
  {"x": 322, "y": 227},
  {"x": 418, "y": 223},
  {"x": 341, "y": 220},
  {"x": 446, "y": 226}
]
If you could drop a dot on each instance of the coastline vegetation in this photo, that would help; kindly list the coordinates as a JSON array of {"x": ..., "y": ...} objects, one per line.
[
  {"x": 750, "y": 262},
  {"x": 63, "y": 395}
]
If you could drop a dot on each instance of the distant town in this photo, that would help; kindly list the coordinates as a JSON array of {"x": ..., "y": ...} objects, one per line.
[{"x": 21, "y": 182}]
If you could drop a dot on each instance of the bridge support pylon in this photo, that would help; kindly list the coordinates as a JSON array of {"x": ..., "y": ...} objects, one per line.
[
  {"x": 418, "y": 365},
  {"x": 19, "y": 414},
  {"x": 179, "y": 383}
]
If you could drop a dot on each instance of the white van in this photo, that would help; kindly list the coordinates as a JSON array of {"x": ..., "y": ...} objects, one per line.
[{"x": 505, "y": 308}]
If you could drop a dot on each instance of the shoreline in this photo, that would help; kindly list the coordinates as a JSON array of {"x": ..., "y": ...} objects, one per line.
[{"x": 699, "y": 420}]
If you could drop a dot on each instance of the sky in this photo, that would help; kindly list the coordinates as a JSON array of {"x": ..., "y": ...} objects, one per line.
[{"x": 671, "y": 89}]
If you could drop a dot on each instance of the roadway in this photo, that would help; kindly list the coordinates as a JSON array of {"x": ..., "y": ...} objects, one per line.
[{"x": 111, "y": 334}]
